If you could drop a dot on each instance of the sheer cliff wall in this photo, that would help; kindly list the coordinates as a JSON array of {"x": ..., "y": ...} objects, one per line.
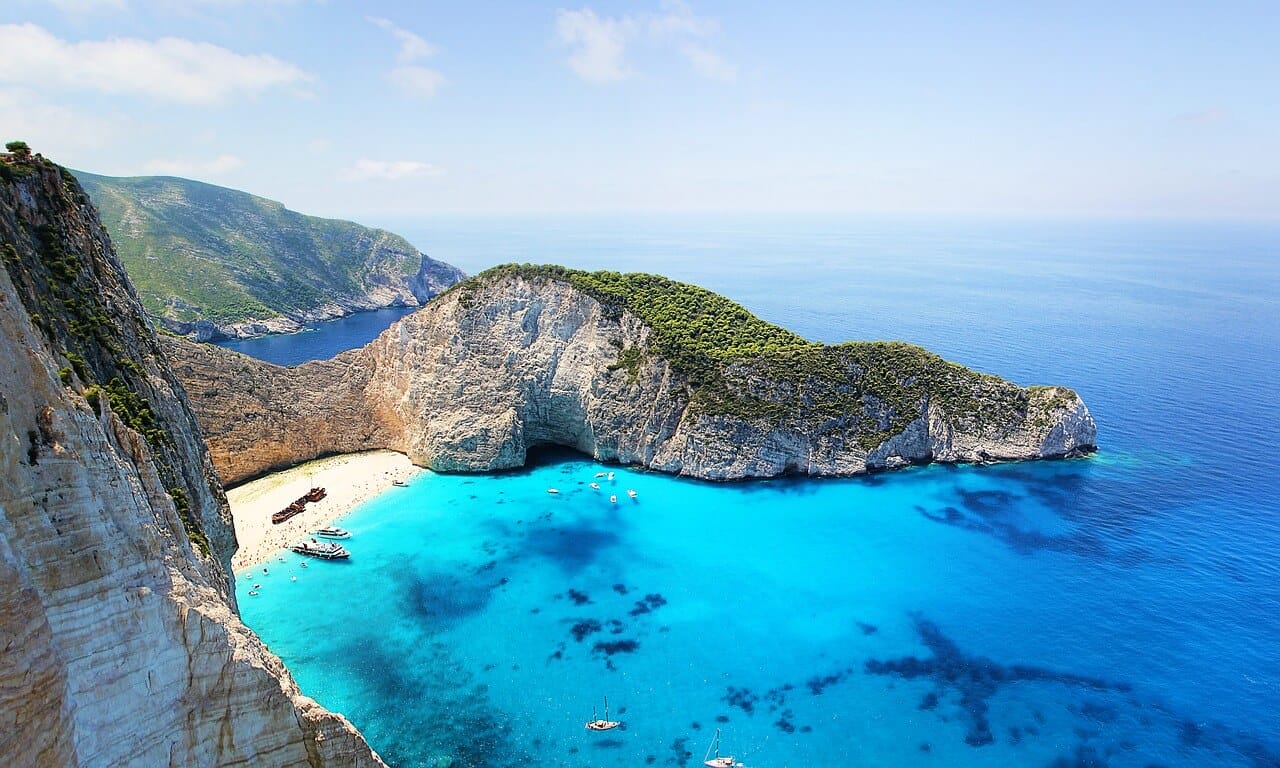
[{"x": 123, "y": 645}]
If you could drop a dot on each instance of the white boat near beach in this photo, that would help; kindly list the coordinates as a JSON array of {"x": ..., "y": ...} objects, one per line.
[
  {"x": 333, "y": 532},
  {"x": 325, "y": 550}
]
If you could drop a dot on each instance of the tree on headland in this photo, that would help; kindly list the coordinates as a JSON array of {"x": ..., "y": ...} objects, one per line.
[{"x": 19, "y": 150}]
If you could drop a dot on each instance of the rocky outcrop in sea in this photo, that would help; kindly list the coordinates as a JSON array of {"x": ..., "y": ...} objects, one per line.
[
  {"x": 123, "y": 646},
  {"x": 521, "y": 357}
]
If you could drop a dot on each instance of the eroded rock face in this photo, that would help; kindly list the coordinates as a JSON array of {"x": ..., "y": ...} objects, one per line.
[
  {"x": 479, "y": 376},
  {"x": 122, "y": 643}
]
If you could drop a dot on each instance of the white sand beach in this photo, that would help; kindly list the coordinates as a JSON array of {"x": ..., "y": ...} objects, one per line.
[{"x": 349, "y": 479}]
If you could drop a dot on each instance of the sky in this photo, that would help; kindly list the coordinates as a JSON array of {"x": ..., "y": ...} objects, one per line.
[{"x": 1124, "y": 108}]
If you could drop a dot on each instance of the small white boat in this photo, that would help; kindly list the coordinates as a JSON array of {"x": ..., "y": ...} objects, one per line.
[
  {"x": 304, "y": 565},
  {"x": 325, "y": 550},
  {"x": 717, "y": 761},
  {"x": 553, "y": 490},
  {"x": 253, "y": 593},
  {"x": 613, "y": 499},
  {"x": 293, "y": 578},
  {"x": 399, "y": 483},
  {"x": 333, "y": 532},
  {"x": 594, "y": 485},
  {"x": 611, "y": 476},
  {"x": 602, "y": 724},
  {"x": 631, "y": 493},
  {"x": 600, "y": 474}
]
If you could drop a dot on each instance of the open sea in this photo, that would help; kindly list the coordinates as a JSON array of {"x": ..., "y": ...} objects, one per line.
[{"x": 1119, "y": 610}]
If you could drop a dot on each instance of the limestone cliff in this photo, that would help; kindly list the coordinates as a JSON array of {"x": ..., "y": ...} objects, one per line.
[
  {"x": 122, "y": 642},
  {"x": 627, "y": 368}
]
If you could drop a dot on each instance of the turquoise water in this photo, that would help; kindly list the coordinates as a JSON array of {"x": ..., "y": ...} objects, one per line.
[{"x": 1121, "y": 610}]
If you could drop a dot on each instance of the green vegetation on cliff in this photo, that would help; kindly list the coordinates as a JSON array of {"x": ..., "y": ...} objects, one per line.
[
  {"x": 72, "y": 293},
  {"x": 741, "y": 366},
  {"x": 197, "y": 251}
]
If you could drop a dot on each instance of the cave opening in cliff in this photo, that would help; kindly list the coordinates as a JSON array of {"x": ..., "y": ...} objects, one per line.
[{"x": 547, "y": 454}]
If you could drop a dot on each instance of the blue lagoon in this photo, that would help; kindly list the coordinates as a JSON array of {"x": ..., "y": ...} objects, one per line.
[{"x": 1118, "y": 610}]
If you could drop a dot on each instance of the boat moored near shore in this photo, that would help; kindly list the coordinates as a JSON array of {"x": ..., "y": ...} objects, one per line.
[
  {"x": 325, "y": 550},
  {"x": 333, "y": 532}
]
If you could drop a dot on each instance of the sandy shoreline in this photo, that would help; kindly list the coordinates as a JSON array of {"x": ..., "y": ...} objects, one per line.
[{"x": 350, "y": 480}]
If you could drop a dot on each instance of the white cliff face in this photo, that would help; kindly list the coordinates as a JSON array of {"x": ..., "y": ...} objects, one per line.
[
  {"x": 123, "y": 647},
  {"x": 483, "y": 374},
  {"x": 473, "y": 383}
]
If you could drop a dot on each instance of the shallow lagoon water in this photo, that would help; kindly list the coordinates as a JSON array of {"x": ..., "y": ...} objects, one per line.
[{"x": 1118, "y": 610}]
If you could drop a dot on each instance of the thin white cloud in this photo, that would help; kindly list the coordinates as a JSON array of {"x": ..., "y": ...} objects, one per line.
[
  {"x": 411, "y": 78},
  {"x": 56, "y": 130},
  {"x": 390, "y": 170},
  {"x": 677, "y": 21},
  {"x": 709, "y": 64},
  {"x": 412, "y": 47},
  {"x": 215, "y": 167},
  {"x": 600, "y": 43},
  {"x": 170, "y": 69},
  {"x": 417, "y": 81},
  {"x": 83, "y": 7}
]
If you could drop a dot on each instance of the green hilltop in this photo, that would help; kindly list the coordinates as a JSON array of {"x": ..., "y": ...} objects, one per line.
[
  {"x": 741, "y": 366},
  {"x": 197, "y": 251}
]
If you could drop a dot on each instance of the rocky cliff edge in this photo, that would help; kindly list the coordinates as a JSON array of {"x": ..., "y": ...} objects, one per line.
[{"x": 122, "y": 642}]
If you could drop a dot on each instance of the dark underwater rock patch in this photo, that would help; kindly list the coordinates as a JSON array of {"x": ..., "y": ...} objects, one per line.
[
  {"x": 974, "y": 678},
  {"x": 650, "y": 603},
  {"x": 578, "y": 598},
  {"x": 817, "y": 684},
  {"x": 581, "y": 629},
  {"x": 572, "y": 548},
  {"x": 680, "y": 752},
  {"x": 611, "y": 647},
  {"x": 742, "y": 698}
]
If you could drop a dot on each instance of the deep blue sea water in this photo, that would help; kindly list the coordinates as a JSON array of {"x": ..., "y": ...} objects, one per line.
[
  {"x": 319, "y": 341},
  {"x": 1119, "y": 610}
]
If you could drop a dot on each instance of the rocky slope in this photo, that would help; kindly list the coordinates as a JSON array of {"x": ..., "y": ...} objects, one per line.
[
  {"x": 627, "y": 368},
  {"x": 212, "y": 262},
  {"x": 122, "y": 642}
]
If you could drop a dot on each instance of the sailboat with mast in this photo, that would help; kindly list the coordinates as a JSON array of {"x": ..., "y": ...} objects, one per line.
[
  {"x": 717, "y": 761},
  {"x": 605, "y": 724}
]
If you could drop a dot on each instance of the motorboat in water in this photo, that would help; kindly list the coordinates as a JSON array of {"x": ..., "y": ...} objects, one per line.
[
  {"x": 613, "y": 499},
  {"x": 602, "y": 724},
  {"x": 325, "y": 550},
  {"x": 631, "y": 493},
  {"x": 333, "y": 532},
  {"x": 594, "y": 486}
]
